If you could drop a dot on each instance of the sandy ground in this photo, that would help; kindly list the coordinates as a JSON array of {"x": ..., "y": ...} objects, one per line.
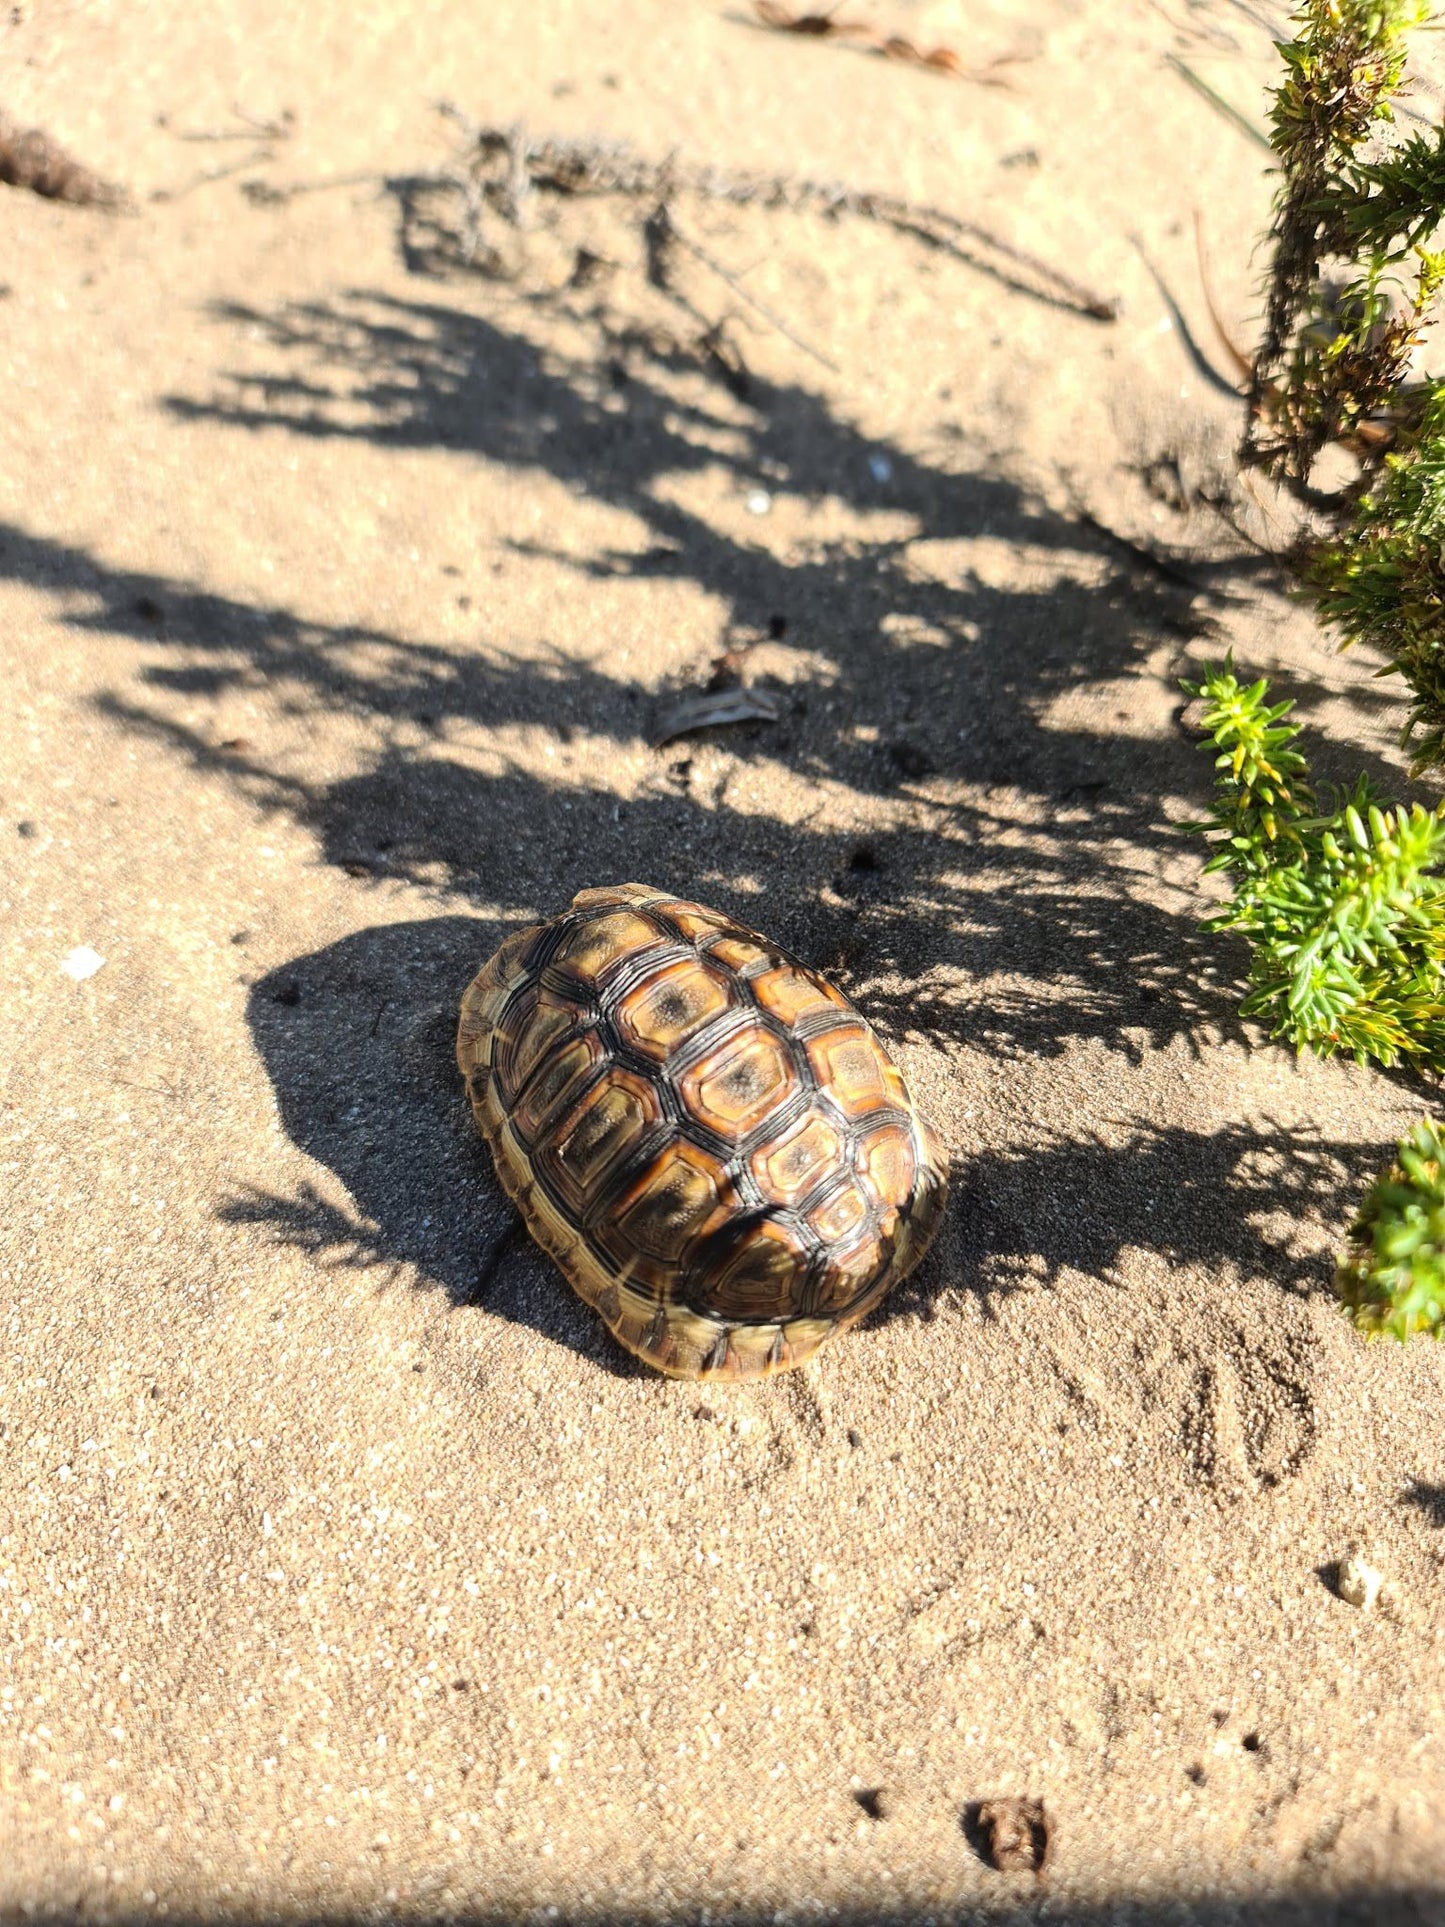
[{"x": 347, "y": 1570}]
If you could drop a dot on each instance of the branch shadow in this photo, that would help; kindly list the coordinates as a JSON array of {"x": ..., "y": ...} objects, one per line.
[{"x": 1428, "y": 1500}]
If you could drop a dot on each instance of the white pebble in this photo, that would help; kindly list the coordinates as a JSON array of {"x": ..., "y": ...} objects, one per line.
[
  {"x": 759, "y": 502},
  {"x": 1358, "y": 1584},
  {"x": 82, "y": 962}
]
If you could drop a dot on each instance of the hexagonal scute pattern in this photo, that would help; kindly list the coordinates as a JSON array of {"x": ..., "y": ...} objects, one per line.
[
  {"x": 592, "y": 1141},
  {"x": 599, "y": 941},
  {"x": 799, "y": 1159},
  {"x": 664, "y": 1010},
  {"x": 849, "y": 1065},
  {"x": 792, "y": 994},
  {"x": 751, "y": 1075},
  {"x": 685, "y": 1193},
  {"x": 703, "y": 1133}
]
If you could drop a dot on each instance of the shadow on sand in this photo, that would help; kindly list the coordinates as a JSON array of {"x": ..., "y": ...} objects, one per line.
[{"x": 1007, "y": 904}]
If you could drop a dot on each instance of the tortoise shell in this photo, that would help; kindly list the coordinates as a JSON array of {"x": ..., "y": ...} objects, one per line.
[{"x": 704, "y": 1135}]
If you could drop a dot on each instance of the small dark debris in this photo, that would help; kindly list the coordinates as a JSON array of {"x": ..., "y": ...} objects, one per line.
[
  {"x": 464, "y": 602},
  {"x": 357, "y": 868},
  {"x": 1011, "y": 1836},
  {"x": 149, "y": 608},
  {"x": 777, "y": 627},
  {"x": 1021, "y": 157},
  {"x": 287, "y": 992},
  {"x": 588, "y": 268},
  {"x": 419, "y": 1366},
  {"x": 909, "y": 760},
  {"x": 865, "y": 857},
  {"x": 26, "y": 828},
  {"x": 450, "y": 568},
  {"x": 1196, "y": 1774},
  {"x": 461, "y": 1685},
  {"x": 876, "y": 1801},
  {"x": 30, "y": 158},
  {"x": 1252, "y": 1743},
  {"x": 240, "y": 936},
  {"x": 235, "y": 745},
  {"x": 855, "y": 1439}
]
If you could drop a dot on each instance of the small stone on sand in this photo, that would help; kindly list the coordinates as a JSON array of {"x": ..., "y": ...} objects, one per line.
[
  {"x": 82, "y": 962},
  {"x": 1357, "y": 1583}
]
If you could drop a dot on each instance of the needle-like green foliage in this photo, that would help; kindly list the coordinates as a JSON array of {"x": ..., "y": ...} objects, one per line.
[
  {"x": 1382, "y": 577},
  {"x": 1353, "y": 282},
  {"x": 1337, "y": 347},
  {"x": 1343, "y": 903},
  {"x": 1344, "y": 907},
  {"x": 1391, "y": 1278}
]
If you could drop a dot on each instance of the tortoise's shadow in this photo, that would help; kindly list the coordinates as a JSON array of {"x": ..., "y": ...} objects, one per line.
[{"x": 359, "y": 1040}]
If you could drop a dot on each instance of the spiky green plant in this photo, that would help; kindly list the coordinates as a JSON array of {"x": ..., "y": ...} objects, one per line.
[
  {"x": 1352, "y": 286},
  {"x": 1342, "y": 902},
  {"x": 1337, "y": 346},
  {"x": 1381, "y": 578},
  {"x": 1391, "y": 1276},
  {"x": 1344, "y": 907}
]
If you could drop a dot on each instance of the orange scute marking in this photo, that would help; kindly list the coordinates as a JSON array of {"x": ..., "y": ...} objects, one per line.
[
  {"x": 606, "y": 1125},
  {"x": 736, "y": 1088},
  {"x": 839, "y": 1216},
  {"x": 685, "y": 1194},
  {"x": 790, "y": 994},
  {"x": 602, "y": 940},
  {"x": 790, "y": 1168},
  {"x": 850, "y": 1066},
  {"x": 667, "y": 1009}
]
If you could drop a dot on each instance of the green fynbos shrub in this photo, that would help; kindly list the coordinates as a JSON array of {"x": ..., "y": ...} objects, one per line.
[{"x": 1391, "y": 1278}]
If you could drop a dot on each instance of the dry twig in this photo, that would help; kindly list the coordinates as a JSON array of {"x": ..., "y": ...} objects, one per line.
[
  {"x": 826, "y": 26},
  {"x": 595, "y": 167}
]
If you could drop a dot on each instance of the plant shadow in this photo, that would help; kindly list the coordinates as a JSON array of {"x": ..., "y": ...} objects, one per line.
[{"x": 1004, "y": 737}]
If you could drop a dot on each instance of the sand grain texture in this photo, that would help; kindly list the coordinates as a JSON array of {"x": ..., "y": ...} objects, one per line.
[{"x": 346, "y": 1569}]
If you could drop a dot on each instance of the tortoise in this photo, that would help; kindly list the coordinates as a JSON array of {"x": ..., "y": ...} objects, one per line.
[{"x": 703, "y": 1134}]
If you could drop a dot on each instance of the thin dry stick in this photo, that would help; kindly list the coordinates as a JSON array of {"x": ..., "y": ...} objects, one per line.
[{"x": 590, "y": 167}]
